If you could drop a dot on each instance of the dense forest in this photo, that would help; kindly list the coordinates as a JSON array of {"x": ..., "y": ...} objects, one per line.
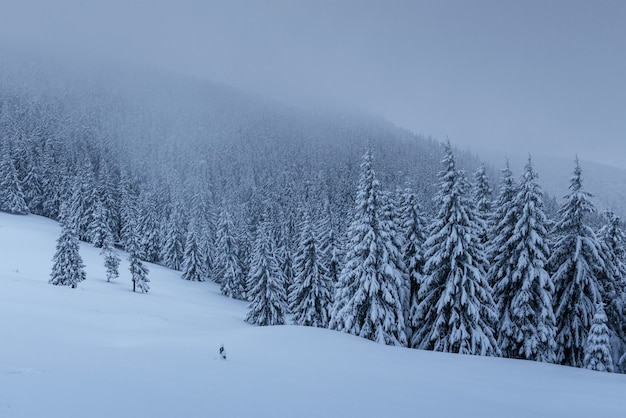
[{"x": 326, "y": 218}]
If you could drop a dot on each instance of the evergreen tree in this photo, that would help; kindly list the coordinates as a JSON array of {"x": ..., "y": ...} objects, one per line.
[
  {"x": 310, "y": 296},
  {"x": 613, "y": 284},
  {"x": 329, "y": 246},
  {"x": 111, "y": 259},
  {"x": 138, "y": 271},
  {"x": 68, "y": 267},
  {"x": 173, "y": 249},
  {"x": 83, "y": 201},
  {"x": 456, "y": 310},
  {"x": 11, "y": 194},
  {"x": 194, "y": 264},
  {"x": 100, "y": 226},
  {"x": 503, "y": 221},
  {"x": 526, "y": 327},
  {"x": 227, "y": 264},
  {"x": 482, "y": 196},
  {"x": 576, "y": 264},
  {"x": 265, "y": 283},
  {"x": 598, "y": 347},
  {"x": 149, "y": 227},
  {"x": 370, "y": 295},
  {"x": 414, "y": 226}
]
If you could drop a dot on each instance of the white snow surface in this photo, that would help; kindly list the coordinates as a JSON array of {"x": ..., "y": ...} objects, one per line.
[{"x": 103, "y": 351}]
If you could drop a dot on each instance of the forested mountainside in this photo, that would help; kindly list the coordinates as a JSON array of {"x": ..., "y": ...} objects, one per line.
[
  {"x": 171, "y": 138},
  {"x": 277, "y": 205}
]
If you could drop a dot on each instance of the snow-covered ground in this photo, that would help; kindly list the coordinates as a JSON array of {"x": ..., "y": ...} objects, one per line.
[{"x": 102, "y": 351}]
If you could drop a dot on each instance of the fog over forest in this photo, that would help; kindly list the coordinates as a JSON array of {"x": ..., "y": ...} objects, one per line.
[{"x": 531, "y": 77}]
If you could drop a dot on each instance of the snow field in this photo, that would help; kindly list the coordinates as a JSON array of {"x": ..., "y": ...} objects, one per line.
[{"x": 103, "y": 351}]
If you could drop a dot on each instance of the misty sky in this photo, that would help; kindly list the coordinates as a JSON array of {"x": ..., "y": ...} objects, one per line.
[{"x": 540, "y": 76}]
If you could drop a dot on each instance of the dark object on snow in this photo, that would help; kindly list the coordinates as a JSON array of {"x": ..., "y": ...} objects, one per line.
[{"x": 222, "y": 352}]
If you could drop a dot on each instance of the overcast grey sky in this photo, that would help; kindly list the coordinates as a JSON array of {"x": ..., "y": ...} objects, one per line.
[{"x": 540, "y": 76}]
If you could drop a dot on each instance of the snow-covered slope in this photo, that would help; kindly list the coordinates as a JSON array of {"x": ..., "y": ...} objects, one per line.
[{"x": 103, "y": 351}]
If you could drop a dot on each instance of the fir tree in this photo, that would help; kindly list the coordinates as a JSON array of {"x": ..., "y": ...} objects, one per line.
[
  {"x": 194, "y": 264},
  {"x": 414, "y": 226},
  {"x": 83, "y": 201},
  {"x": 111, "y": 259},
  {"x": 329, "y": 246},
  {"x": 265, "y": 283},
  {"x": 576, "y": 264},
  {"x": 503, "y": 222},
  {"x": 149, "y": 227},
  {"x": 526, "y": 327},
  {"x": 613, "y": 284},
  {"x": 456, "y": 310},
  {"x": 598, "y": 347},
  {"x": 138, "y": 271},
  {"x": 227, "y": 264},
  {"x": 68, "y": 267},
  {"x": 482, "y": 196},
  {"x": 370, "y": 295},
  {"x": 100, "y": 226},
  {"x": 173, "y": 249},
  {"x": 11, "y": 194},
  {"x": 310, "y": 296}
]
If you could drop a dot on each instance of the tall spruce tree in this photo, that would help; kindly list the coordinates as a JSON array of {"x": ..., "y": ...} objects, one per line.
[
  {"x": 311, "y": 294},
  {"x": 111, "y": 259},
  {"x": 68, "y": 267},
  {"x": 482, "y": 196},
  {"x": 456, "y": 312},
  {"x": 503, "y": 221},
  {"x": 576, "y": 264},
  {"x": 194, "y": 263},
  {"x": 369, "y": 297},
  {"x": 11, "y": 193},
  {"x": 265, "y": 282},
  {"x": 173, "y": 248},
  {"x": 138, "y": 271},
  {"x": 598, "y": 346},
  {"x": 526, "y": 327},
  {"x": 413, "y": 229},
  {"x": 330, "y": 245},
  {"x": 613, "y": 284},
  {"x": 228, "y": 269}
]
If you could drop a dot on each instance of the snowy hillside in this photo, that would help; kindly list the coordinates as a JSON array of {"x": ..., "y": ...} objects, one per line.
[{"x": 103, "y": 351}]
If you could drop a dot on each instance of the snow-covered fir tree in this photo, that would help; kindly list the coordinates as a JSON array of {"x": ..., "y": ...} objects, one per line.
[
  {"x": 311, "y": 294},
  {"x": 138, "y": 271},
  {"x": 613, "y": 286},
  {"x": 576, "y": 264},
  {"x": 83, "y": 200},
  {"x": 503, "y": 221},
  {"x": 482, "y": 196},
  {"x": 173, "y": 248},
  {"x": 330, "y": 245},
  {"x": 194, "y": 263},
  {"x": 413, "y": 229},
  {"x": 149, "y": 230},
  {"x": 11, "y": 193},
  {"x": 598, "y": 346},
  {"x": 526, "y": 326},
  {"x": 228, "y": 269},
  {"x": 456, "y": 312},
  {"x": 111, "y": 259},
  {"x": 369, "y": 297},
  {"x": 68, "y": 267},
  {"x": 265, "y": 282},
  {"x": 284, "y": 252},
  {"x": 100, "y": 225}
]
